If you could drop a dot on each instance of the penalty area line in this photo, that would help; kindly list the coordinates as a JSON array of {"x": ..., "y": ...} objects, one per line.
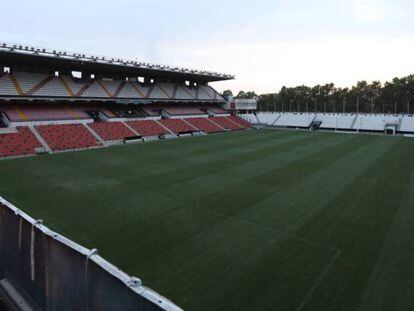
[
  {"x": 318, "y": 281},
  {"x": 292, "y": 236}
]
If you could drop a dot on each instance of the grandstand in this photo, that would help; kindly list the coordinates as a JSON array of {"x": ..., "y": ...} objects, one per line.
[
  {"x": 108, "y": 100},
  {"x": 350, "y": 122}
]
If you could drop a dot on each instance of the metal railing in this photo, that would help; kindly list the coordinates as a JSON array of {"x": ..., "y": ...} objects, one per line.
[{"x": 54, "y": 273}]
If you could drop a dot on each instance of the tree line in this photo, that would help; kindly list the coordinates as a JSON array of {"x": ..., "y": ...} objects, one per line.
[{"x": 396, "y": 96}]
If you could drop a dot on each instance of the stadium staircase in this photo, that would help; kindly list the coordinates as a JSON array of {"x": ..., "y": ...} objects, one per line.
[
  {"x": 111, "y": 131},
  {"x": 191, "y": 125},
  {"x": 230, "y": 124},
  {"x": 206, "y": 125},
  {"x": 238, "y": 121},
  {"x": 151, "y": 89},
  {"x": 131, "y": 129},
  {"x": 274, "y": 123},
  {"x": 354, "y": 122},
  {"x": 94, "y": 134},
  {"x": 315, "y": 125},
  {"x": 400, "y": 120},
  {"x": 16, "y": 85},
  {"x": 164, "y": 91},
  {"x": 174, "y": 95},
  {"x": 176, "y": 126},
  {"x": 66, "y": 86},
  {"x": 40, "y": 138},
  {"x": 84, "y": 88},
  {"x": 217, "y": 124},
  {"x": 38, "y": 86},
  {"x": 186, "y": 90},
  {"x": 148, "y": 128},
  {"x": 208, "y": 95},
  {"x": 119, "y": 89},
  {"x": 107, "y": 93},
  {"x": 20, "y": 113},
  {"x": 137, "y": 89}
]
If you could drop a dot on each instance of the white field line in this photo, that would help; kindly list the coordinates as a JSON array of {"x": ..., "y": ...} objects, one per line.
[
  {"x": 292, "y": 236},
  {"x": 323, "y": 273},
  {"x": 318, "y": 281}
]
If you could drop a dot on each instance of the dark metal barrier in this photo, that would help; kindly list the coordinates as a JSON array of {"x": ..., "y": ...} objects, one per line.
[{"x": 52, "y": 272}]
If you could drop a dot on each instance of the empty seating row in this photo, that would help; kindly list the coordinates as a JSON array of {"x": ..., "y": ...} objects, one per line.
[
  {"x": 110, "y": 131},
  {"x": 178, "y": 126},
  {"x": 67, "y": 137},
  {"x": 267, "y": 118},
  {"x": 341, "y": 121},
  {"x": 374, "y": 122},
  {"x": 38, "y": 84},
  {"x": 217, "y": 110},
  {"x": 147, "y": 128},
  {"x": 243, "y": 123},
  {"x": 77, "y": 136},
  {"x": 250, "y": 117},
  {"x": 335, "y": 121},
  {"x": 205, "y": 125},
  {"x": 175, "y": 111},
  {"x": 226, "y": 123},
  {"x": 43, "y": 112},
  {"x": 407, "y": 124},
  {"x": 22, "y": 142},
  {"x": 302, "y": 120}
]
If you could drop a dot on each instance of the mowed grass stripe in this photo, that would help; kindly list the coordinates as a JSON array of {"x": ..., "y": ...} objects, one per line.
[
  {"x": 186, "y": 208},
  {"x": 358, "y": 221},
  {"x": 291, "y": 207}
]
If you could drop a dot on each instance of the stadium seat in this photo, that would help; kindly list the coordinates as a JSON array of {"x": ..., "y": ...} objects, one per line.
[
  {"x": 67, "y": 137},
  {"x": 177, "y": 126},
  {"x": 267, "y": 118},
  {"x": 147, "y": 128},
  {"x": 407, "y": 124},
  {"x": 45, "y": 85},
  {"x": 22, "y": 142},
  {"x": 299, "y": 120},
  {"x": 240, "y": 122},
  {"x": 44, "y": 112},
  {"x": 226, "y": 123},
  {"x": 205, "y": 125},
  {"x": 183, "y": 111},
  {"x": 110, "y": 131}
]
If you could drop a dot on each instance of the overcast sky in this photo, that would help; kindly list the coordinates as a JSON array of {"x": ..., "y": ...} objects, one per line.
[{"x": 265, "y": 43}]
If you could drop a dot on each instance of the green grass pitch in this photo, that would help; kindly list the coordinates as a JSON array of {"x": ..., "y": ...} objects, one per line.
[{"x": 255, "y": 220}]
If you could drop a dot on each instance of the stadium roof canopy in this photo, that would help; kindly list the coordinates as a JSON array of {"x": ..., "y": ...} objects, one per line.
[{"x": 25, "y": 55}]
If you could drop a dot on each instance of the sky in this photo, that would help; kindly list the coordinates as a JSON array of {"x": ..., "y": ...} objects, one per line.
[{"x": 266, "y": 44}]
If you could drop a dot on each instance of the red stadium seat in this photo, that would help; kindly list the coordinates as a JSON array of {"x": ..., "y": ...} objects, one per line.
[
  {"x": 178, "y": 126},
  {"x": 241, "y": 122},
  {"x": 111, "y": 130},
  {"x": 226, "y": 123},
  {"x": 67, "y": 137},
  {"x": 205, "y": 125},
  {"x": 147, "y": 128},
  {"x": 23, "y": 142}
]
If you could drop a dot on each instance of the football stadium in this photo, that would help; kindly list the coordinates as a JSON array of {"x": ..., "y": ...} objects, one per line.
[{"x": 132, "y": 186}]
